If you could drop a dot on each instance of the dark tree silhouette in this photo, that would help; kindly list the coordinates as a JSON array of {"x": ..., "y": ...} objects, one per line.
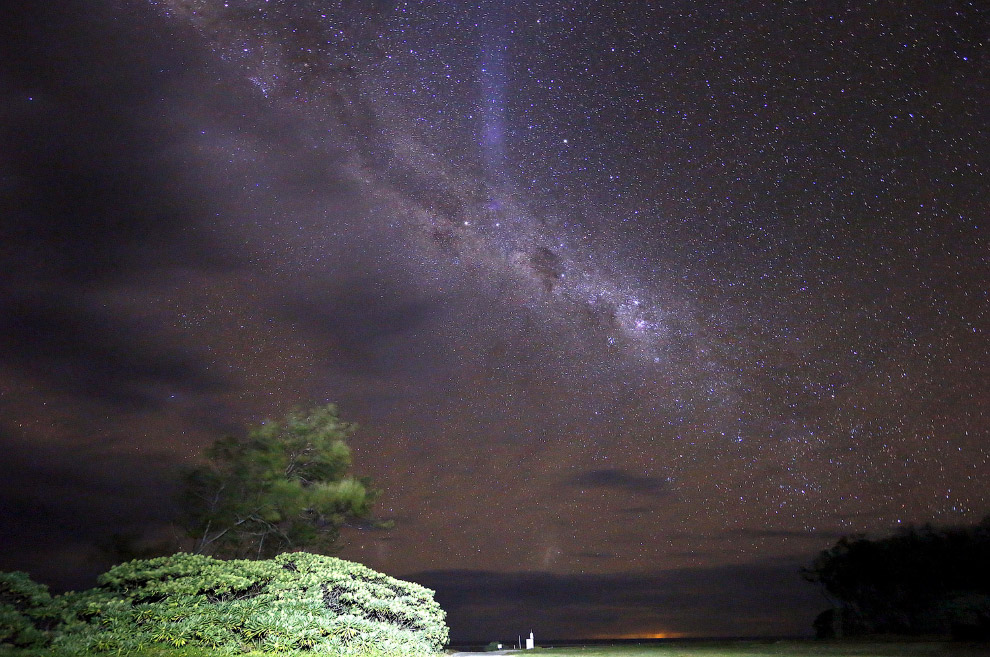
[{"x": 921, "y": 580}]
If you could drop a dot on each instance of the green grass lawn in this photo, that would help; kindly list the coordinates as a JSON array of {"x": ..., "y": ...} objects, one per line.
[{"x": 775, "y": 649}]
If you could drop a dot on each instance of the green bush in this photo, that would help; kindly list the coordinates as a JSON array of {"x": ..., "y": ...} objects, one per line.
[
  {"x": 24, "y": 610},
  {"x": 296, "y": 601}
]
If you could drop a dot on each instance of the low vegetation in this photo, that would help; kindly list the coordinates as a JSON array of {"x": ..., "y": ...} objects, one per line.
[{"x": 197, "y": 605}]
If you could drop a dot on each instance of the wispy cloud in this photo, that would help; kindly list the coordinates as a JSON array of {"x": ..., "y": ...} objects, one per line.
[{"x": 617, "y": 479}]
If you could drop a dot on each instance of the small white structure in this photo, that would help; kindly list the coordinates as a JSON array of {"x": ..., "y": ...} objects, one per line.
[{"x": 530, "y": 642}]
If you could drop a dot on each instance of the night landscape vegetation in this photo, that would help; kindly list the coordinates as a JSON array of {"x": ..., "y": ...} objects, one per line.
[{"x": 383, "y": 327}]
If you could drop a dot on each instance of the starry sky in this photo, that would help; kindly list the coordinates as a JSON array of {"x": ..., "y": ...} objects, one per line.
[{"x": 639, "y": 305}]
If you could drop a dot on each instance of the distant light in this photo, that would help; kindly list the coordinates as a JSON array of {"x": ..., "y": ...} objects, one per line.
[{"x": 642, "y": 635}]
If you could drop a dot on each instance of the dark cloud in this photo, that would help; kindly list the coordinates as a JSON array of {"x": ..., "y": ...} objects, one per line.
[
  {"x": 97, "y": 193},
  {"x": 364, "y": 326},
  {"x": 813, "y": 535},
  {"x": 596, "y": 555},
  {"x": 57, "y": 502},
  {"x": 636, "y": 510},
  {"x": 89, "y": 352},
  {"x": 617, "y": 479},
  {"x": 96, "y": 188},
  {"x": 731, "y": 600}
]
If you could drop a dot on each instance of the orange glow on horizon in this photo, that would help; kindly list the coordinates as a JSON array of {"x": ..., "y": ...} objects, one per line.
[{"x": 642, "y": 635}]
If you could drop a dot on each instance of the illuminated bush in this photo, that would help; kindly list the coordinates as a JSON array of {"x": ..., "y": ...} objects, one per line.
[{"x": 296, "y": 601}]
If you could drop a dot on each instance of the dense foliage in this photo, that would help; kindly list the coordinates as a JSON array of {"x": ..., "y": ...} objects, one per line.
[
  {"x": 924, "y": 580},
  {"x": 24, "y": 605},
  {"x": 296, "y": 601},
  {"x": 284, "y": 486}
]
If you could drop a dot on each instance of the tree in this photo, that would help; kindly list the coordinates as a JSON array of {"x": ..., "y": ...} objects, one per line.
[
  {"x": 284, "y": 486},
  {"x": 927, "y": 580}
]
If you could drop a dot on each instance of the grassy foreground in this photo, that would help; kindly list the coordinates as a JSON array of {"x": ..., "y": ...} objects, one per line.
[{"x": 775, "y": 649}]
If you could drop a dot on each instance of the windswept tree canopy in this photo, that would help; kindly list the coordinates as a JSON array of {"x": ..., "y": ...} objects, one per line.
[{"x": 284, "y": 486}]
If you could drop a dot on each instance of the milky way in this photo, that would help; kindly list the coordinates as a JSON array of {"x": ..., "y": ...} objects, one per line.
[{"x": 333, "y": 61}]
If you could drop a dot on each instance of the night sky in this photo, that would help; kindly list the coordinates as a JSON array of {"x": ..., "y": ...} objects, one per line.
[{"x": 639, "y": 305}]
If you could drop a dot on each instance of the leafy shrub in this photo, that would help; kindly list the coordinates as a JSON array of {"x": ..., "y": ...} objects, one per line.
[
  {"x": 24, "y": 610},
  {"x": 296, "y": 601}
]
